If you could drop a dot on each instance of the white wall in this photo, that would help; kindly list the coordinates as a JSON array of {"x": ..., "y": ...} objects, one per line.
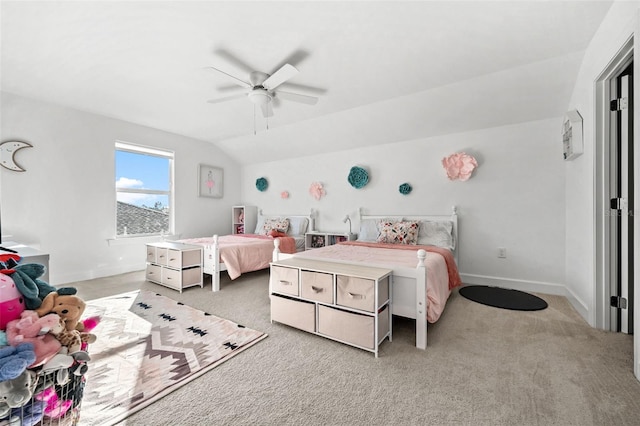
[
  {"x": 515, "y": 198},
  {"x": 64, "y": 204},
  {"x": 614, "y": 32}
]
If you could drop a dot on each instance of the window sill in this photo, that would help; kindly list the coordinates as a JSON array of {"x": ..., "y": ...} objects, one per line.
[{"x": 141, "y": 240}]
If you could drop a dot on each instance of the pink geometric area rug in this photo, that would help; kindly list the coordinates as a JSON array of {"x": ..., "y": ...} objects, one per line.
[{"x": 149, "y": 345}]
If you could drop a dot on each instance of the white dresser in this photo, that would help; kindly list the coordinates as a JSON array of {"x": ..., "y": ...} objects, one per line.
[{"x": 174, "y": 265}]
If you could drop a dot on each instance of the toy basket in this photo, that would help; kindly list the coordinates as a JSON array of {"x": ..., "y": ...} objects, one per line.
[{"x": 56, "y": 397}]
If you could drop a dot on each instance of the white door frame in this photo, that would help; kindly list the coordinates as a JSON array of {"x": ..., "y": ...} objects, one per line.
[{"x": 601, "y": 159}]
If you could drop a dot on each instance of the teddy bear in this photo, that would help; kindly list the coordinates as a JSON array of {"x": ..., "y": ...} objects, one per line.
[
  {"x": 30, "y": 328},
  {"x": 68, "y": 306}
]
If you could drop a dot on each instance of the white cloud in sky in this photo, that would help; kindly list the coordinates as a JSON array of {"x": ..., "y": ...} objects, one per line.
[
  {"x": 133, "y": 198},
  {"x": 124, "y": 182}
]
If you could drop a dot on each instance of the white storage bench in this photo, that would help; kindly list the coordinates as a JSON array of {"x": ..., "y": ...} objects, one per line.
[{"x": 343, "y": 302}]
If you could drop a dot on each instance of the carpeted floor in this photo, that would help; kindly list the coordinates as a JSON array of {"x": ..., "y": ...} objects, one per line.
[
  {"x": 482, "y": 366},
  {"x": 151, "y": 345}
]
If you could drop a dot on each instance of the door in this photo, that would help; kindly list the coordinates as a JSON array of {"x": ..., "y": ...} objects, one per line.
[{"x": 622, "y": 202}]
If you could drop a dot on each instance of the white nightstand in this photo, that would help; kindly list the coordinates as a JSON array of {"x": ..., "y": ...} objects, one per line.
[{"x": 317, "y": 239}]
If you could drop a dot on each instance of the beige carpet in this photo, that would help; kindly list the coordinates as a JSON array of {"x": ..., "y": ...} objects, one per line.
[{"x": 483, "y": 366}]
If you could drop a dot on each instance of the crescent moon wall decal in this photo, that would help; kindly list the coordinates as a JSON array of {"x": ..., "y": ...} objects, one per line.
[{"x": 7, "y": 154}]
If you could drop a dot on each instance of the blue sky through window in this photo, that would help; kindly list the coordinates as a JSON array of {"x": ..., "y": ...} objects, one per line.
[{"x": 141, "y": 171}]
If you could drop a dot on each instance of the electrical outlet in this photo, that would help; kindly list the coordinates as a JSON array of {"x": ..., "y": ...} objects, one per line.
[{"x": 502, "y": 252}]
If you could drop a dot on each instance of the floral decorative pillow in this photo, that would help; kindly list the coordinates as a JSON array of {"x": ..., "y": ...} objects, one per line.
[
  {"x": 398, "y": 232},
  {"x": 279, "y": 225}
]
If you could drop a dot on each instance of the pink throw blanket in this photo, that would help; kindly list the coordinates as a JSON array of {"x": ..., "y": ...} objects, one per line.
[
  {"x": 242, "y": 253},
  {"x": 287, "y": 244},
  {"x": 452, "y": 268},
  {"x": 442, "y": 272}
]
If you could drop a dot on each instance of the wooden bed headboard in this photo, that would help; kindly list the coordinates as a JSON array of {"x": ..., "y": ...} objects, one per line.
[{"x": 453, "y": 217}]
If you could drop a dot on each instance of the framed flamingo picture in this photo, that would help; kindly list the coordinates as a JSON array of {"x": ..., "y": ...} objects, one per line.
[{"x": 210, "y": 181}]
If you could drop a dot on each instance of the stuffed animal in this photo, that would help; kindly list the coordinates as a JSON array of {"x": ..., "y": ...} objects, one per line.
[
  {"x": 17, "y": 392},
  {"x": 27, "y": 279},
  {"x": 14, "y": 360},
  {"x": 33, "y": 289},
  {"x": 59, "y": 365},
  {"x": 28, "y": 415},
  {"x": 69, "y": 307},
  {"x": 55, "y": 408},
  {"x": 30, "y": 328},
  {"x": 68, "y": 338},
  {"x": 85, "y": 327},
  {"x": 11, "y": 301}
]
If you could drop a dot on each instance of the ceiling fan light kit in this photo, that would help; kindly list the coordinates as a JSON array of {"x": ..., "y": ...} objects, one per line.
[{"x": 260, "y": 96}]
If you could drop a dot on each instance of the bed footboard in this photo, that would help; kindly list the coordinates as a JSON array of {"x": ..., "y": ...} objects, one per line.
[
  {"x": 421, "y": 301},
  {"x": 409, "y": 292},
  {"x": 211, "y": 264}
]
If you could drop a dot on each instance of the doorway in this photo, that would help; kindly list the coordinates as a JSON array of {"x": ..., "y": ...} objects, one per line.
[
  {"x": 617, "y": 188},
  {"x": 621, "y": 201}
]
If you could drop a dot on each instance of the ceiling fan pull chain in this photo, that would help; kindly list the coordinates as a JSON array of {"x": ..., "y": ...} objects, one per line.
[{"x": 254, "y": 119}]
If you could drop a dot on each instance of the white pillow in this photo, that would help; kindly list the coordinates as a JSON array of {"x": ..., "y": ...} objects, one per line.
[
  {"x": 260, "y": 225},
  {"x": 298, "y": 225},
  {"x": 439, "y": 234},
  {"x": 368, "y": 230}
]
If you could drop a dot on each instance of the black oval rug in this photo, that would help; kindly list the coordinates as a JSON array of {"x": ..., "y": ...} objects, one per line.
[{"x": 503, "y": 298}]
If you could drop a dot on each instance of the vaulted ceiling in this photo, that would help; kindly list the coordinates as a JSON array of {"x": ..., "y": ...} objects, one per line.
[{"x": 384, "y": 72}]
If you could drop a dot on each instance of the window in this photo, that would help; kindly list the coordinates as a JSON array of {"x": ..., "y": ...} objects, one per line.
[{"x": 144, "y": 191}]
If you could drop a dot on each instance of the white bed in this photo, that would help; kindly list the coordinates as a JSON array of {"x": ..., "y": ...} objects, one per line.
[
  {"x": 238, "y": 254},
  {"x": 417, "y": 272}
]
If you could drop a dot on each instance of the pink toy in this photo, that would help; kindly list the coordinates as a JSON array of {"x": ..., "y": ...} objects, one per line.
[
  {"x": 30, "y": 328},
  {"x": 85, "y": 327},
  {"x": 55, "y": 408},
  {"x": 11, "y": 301}
]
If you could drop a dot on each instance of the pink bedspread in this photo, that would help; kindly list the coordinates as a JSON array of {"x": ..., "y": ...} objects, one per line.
[
  {"x": 442, "y": 272},
  {"x": 245, "y": 253}
]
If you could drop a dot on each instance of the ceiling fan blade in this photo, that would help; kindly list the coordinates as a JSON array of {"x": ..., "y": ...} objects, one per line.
[
  {"x": 227, "y": 98},
  {"x": 236, "y": 80},
  {"x": 303, "y": 88},
  {"x": 277, "y": 78},
  {"x": 295, "y": 58},
  {"x": 228, "y": 88},
  {"x": 267, "y": 110},
  {"x": 303, "y": 99},
  {"x": 233, "y": 59}
]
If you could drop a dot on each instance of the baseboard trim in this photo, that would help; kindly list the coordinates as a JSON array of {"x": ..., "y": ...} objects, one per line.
[
  {"x": 579, "y": 305},
  {"x": 515, "y": 284},
  {"x": 59, "y": 280},
  {"x": 531, "y": 286}
]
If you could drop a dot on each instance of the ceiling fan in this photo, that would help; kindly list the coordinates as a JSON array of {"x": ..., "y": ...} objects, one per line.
[{"x": 261, "y": 89}]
